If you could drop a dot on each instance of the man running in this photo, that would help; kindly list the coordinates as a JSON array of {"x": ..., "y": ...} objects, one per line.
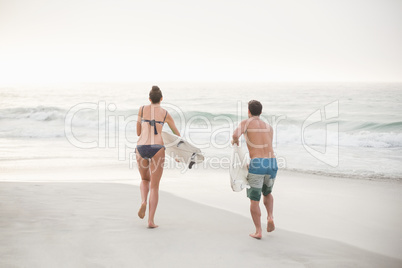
[{"x": 263, "y": 165}]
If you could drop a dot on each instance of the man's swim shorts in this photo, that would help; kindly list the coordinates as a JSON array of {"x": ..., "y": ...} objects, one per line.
[{"x": 261, "y": 177}]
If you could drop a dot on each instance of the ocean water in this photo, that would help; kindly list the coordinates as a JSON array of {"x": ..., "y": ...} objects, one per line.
[{"x": 338, "y": 129}]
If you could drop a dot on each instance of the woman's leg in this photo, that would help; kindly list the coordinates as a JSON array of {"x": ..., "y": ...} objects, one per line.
[
  {"x": 156, "y": 168},
  {"x": 143, "y": 167}
]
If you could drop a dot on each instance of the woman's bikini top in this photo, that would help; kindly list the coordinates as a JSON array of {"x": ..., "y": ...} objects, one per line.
[{"x": 152, "y": 122}]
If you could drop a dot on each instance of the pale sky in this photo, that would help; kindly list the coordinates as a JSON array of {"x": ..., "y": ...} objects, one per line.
[{"x": 209, "y": 40}]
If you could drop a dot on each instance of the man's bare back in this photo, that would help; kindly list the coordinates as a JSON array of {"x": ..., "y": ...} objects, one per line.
[{"x": 258, "y": 135}]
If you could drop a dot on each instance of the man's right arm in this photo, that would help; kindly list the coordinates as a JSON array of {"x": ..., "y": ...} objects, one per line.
[{"x": 238, "y": 132}]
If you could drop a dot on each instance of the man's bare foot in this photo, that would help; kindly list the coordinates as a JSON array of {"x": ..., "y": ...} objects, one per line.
[
  {"x": 152, "y": 225},
  {"x": 270, "y": 226},
  {"x": 256, "y": 235},
  {"x": 141, "y": 212}
]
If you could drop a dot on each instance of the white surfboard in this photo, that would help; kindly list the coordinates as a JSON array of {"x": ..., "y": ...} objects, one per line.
[
  {"x": 181, "y": 150},
  {"x": 238, "y": 169}
]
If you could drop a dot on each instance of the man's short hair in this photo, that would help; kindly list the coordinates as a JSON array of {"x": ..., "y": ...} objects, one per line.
[{"x": 255, "y": 107}]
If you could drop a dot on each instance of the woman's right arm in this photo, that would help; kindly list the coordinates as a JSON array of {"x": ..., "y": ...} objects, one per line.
[
  {"x": 172, "y": 125},
  {"x": 139, "y": 122}
]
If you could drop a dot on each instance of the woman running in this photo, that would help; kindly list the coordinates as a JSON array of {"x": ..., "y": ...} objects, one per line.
[{"x": 150, "y": 151}]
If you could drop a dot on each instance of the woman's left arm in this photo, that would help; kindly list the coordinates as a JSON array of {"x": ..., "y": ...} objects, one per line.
[{"x": 172, "y": 125}]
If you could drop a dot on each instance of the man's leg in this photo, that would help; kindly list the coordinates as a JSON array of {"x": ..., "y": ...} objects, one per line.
[
  {"x": 254, "y": 193},
  {"x": 269, "y": 205},
  {"x": 269, "y": 181},
  {"x": 269, "y": 201},
  {"x": 256, "y": 216}
]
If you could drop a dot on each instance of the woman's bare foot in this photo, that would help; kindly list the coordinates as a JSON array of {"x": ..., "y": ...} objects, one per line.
[
  {"x": 152, "y": 225},
  {"x": 141, "y": 212},
  {"x": 256, "y": 235},
  {"x": 270, "y": 225}
]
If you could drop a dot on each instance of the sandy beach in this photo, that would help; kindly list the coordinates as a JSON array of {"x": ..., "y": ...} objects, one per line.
[
  {"x": 89, "y": 224},
  {"x": 315, "y": 84}
]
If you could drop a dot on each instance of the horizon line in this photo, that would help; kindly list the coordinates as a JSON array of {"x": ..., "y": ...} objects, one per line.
[{"x": 37, "y": 83}]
